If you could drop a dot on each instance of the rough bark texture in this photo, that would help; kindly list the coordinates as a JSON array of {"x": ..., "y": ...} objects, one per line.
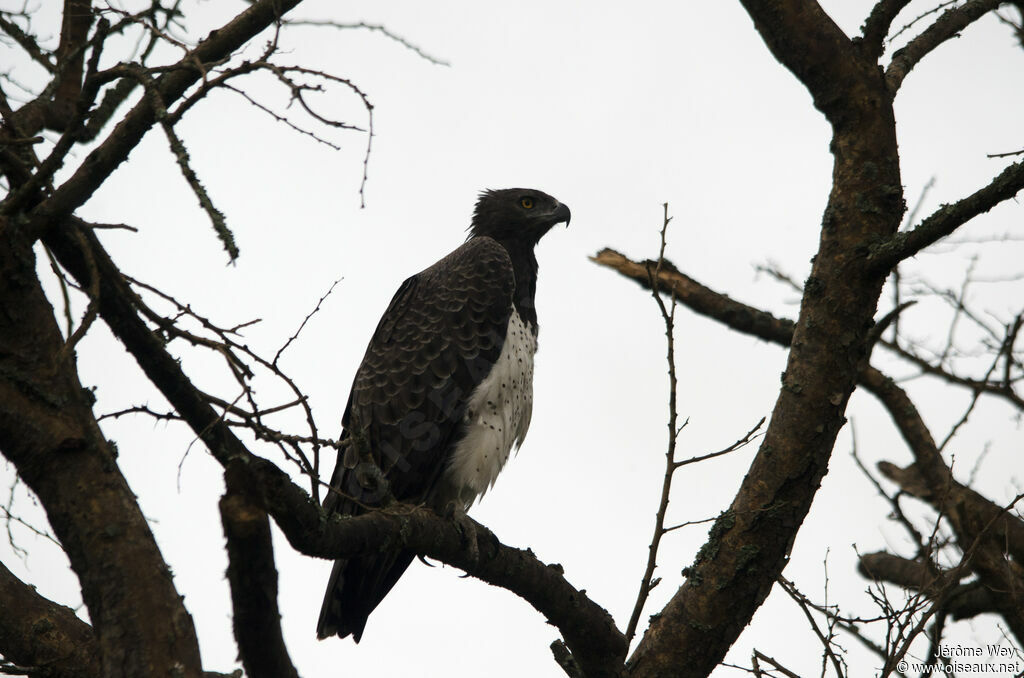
[
  {"x": 750, "y": 542},
  {"x": 43, "y": 634},
  {"x": 253, "y": 578},
  {"x": 985, "y": 530},
  {"x": 48, "y": 431},
  {"x": 141, "y": 627}
]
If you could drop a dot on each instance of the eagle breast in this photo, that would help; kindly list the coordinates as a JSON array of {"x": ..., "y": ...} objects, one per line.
[{"x": 497, "y": 417}]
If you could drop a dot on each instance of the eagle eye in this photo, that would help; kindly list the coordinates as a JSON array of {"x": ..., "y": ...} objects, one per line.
[{"x": 527, "y": 203}]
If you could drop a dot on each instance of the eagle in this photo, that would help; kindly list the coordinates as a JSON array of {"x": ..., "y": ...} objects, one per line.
[{"x": 444, "y": 391}]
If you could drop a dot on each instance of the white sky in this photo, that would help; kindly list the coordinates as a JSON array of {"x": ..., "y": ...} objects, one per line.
[{"x": 613, "y": 112}]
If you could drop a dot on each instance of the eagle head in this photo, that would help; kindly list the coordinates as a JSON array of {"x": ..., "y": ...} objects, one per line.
[{"x": 517, "y": 215}]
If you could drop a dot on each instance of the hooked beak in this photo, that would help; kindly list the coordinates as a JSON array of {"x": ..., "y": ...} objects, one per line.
[{"x": 561, "y": 214}]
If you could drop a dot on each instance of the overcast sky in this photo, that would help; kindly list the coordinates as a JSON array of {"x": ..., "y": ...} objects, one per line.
[{"x": 613, "y": 112}]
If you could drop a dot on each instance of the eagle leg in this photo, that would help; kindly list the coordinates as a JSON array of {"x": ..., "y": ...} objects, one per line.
[{"x": 466, "y": 527}]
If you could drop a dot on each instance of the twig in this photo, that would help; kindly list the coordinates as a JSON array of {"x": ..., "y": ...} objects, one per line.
[
  {"x": 747, "y": 438},
  {"x": 647, "y": 582},
  {"x": 295, "y": 336},
  {"x": 370, "y": 27},
  {"x": 948, "y": 218},
  {"x": 758, "y": 655},
  {"x": 893, "y": 500},
  {"x": 181, "y": 156},
  {"x": 915, "y": 20},
  {"x": 801, "y": 600},
  {"x": 1005, "y": 155},
  {"x": 944, "y": 28}
]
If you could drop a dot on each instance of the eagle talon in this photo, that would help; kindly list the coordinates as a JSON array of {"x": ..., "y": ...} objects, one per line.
[{"x": 467, "y": 528}]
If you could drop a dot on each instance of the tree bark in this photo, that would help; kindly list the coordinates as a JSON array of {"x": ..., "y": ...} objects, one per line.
[
  {"x": 750, "y": 542},
  {"x": 48, "y": 432}
]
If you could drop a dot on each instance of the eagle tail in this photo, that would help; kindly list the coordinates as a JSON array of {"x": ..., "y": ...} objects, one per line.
[{"x": 355, "y": 589}]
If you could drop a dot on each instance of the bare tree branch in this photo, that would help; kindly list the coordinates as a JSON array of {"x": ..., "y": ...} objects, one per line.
[
  {"x": 807, "y": 42},
  {"x": 977, "y": 515},
  {"x": 877, "y": 26},
  {"x": 48, "y": 432},
  {"x": 947, "y": 26},
  {"x": 43, "y": 634},
  {"x": 253, "y": 579},
  {"x": 588, "y": 630},
  {"x": 27, "y": 42},
  {"x": 977, "y": 522},
  {"x": 647, "y": 582},
  {"x": 383, "y": 30},
  {"x": 948, "y": 218},
  {"x": 700, "y": 298},
  {"x": 93, "y": 171}
]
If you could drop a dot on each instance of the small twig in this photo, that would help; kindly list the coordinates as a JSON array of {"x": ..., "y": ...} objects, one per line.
[
  {"x": 646, "y": 582},
  {"x": 688, "y": 523},
  {"x": 69, "y": 323},
  {"x": 774, "y": 662},
  {"x": 774, "y": 271},
  {"x": 371, "y": 27},
  {"x": 280, "y": 118},
  {"x": 124, "y": 227},
  {"x": 91, "y": 310},
  {"x": 1005, "y": 155},
  {"x": 140, "y": 409},
  {"x": 921, "y": 16},
  {"x": 970, "y": 409},
  {"x": 893, "y": 500},
  {"x": 295, "y": 336},
  {"x": 181, "y": 156},
  {"x": 10, "y": 517},
  {"x": 747, "y": 438},
  {"x": 801, "y": 600}
]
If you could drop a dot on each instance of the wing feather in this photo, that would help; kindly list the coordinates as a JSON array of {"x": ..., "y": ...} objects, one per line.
[{"x": 439, "y": 337}]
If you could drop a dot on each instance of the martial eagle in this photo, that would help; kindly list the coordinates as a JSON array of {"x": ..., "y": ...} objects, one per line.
[{"x": 444, "y": 392}]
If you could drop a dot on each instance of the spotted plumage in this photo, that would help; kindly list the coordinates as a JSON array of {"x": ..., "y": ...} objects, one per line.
[{"x": 444, "y": 392}]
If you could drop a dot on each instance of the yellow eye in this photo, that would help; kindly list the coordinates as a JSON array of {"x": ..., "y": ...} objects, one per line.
[{"x": 527, "y": 203}]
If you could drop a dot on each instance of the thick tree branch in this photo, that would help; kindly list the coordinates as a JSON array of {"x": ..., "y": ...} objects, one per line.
[
  {"x": 947, "y": 26},
  {"x": 27, "y": 42},
  {"x": 980, "y": 516},
  {"x": 1005, "y": 528},
  {"x": 948, "y": 218},
  {"x": 48, "y": 432},
  {"x": 962, "y": 601},
  {"x": 983, "y": 530},
  {"x": 877, "y": 25},
  {"x": 49, "y": 638},
  {"x": 253, "y": 579},
  {"x": 749, "y": 544},
  {"x": 699, "y": 298},
  {"x": 44, "y": 634},
  {"x": 588, "y": 630},
  {"x": 74, "y": 33},
  {"x": 807, "y": 42},
  {"x": 908, "y": 574}
]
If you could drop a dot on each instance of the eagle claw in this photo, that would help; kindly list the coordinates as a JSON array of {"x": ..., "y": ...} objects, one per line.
[{"x": 467, "y": 528}]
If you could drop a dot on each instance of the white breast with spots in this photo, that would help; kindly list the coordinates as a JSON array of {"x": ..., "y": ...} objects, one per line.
[{"x": 497, "y": 416}]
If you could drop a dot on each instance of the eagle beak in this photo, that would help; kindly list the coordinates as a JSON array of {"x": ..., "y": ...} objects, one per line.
[{"x": 561, "y": 214}]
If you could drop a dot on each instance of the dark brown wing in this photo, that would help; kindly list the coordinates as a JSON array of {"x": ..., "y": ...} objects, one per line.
[{"x": 438, "y": 339}]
